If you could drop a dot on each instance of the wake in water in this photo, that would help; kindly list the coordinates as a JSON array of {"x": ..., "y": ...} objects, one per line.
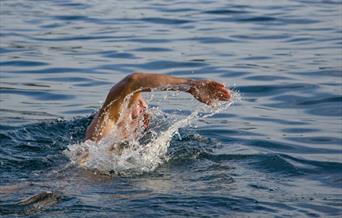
[{"x": 143, "y": 152}]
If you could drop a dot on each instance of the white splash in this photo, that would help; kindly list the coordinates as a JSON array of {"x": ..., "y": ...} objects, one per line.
[{"x": 112, "y": 156}]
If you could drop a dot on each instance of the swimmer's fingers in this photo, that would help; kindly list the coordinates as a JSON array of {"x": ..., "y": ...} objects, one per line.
[{"x": 222, "y": 94}]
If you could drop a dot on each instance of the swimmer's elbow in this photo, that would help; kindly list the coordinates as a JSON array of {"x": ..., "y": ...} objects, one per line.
[
  {"x": 135, "y": 80},
  {"x": 134, "y": 77}
]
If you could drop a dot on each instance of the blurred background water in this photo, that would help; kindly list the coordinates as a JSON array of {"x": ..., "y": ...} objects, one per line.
[{"x": 276, "y": 152}]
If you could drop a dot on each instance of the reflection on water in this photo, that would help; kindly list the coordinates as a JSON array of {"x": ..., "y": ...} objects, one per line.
[{"x": 277, "y": 152}]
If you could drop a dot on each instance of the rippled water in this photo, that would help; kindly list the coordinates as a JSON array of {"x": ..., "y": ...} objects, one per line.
[{"x": 276, "y": 152}]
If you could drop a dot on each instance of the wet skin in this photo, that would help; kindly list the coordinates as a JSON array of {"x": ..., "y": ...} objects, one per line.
[{"x": 112, "y": 114}]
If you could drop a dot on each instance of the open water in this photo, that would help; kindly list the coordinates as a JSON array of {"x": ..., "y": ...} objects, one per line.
[{"x": 275, "y": 152}]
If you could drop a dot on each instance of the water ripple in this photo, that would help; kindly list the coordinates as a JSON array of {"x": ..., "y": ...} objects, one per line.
[
  {"x": 38, "y": 95},
  {"x": 22, "y": 63},
  {"x": 275, "y": 152}
]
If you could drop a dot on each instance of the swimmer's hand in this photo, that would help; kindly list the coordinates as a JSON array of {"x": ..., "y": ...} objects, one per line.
[{"x": 208, "y": 91}]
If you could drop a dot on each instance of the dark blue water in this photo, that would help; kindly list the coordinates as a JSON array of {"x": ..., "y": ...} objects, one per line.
[{"x": 275, "y": 152}]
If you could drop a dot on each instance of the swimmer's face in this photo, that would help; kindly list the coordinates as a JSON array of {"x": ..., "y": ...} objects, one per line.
[{"x": 139, "y": 112}]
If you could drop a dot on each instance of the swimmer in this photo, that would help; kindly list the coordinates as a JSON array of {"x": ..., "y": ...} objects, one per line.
[{"x": 110, "y": 115}]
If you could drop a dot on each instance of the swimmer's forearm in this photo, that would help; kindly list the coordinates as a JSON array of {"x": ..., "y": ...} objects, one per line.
[{"x": 149, "y": 81}]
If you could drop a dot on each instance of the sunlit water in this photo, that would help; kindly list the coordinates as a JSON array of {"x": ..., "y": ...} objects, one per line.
[{"x": 276, "y": 151}]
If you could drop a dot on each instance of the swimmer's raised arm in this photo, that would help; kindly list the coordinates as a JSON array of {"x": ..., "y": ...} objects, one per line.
[{"x": 206, "y": 91}]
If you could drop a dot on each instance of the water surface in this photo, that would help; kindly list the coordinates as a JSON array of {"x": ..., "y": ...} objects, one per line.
[{"x": 275, "y": 152}]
